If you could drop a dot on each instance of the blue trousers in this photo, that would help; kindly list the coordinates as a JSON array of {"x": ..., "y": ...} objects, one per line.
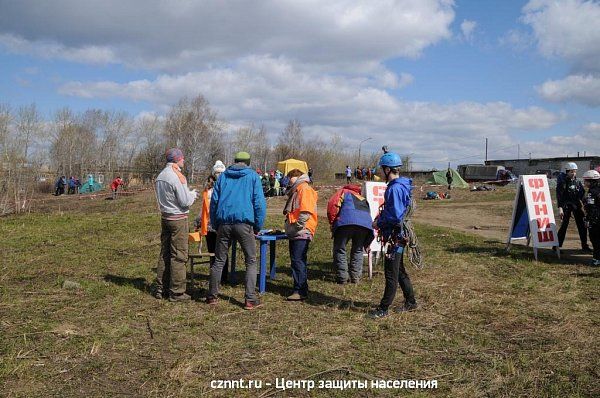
[{"x": 298, "y": 254}]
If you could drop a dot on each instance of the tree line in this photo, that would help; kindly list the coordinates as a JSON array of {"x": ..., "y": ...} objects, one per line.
[{"x": 113, "y": 142}]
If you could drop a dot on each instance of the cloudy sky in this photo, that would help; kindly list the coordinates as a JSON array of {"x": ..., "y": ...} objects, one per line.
[{"x": 429, "y": 78}]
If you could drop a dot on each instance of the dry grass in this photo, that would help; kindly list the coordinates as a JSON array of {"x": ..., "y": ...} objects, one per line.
[{"x": 490, "y": 324}]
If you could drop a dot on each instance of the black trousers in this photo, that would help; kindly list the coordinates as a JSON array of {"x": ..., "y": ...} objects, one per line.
[
  {"x": 211, "y": 244},
  {"x": 578, "y": 216},
  {"x": 395, "y": 274},
  {"x": 595, "y": 239}
]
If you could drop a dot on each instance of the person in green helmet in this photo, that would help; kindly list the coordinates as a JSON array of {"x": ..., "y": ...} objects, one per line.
[{"x": 237, "y": 211}]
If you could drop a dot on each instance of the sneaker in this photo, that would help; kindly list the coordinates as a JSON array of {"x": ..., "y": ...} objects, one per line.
[
  {"x": 252, "y": 305},
  {"x": 586, "y": 249},
  {"x": 595, "y": 263},
  {"x": 158, "y": 293},
  {"x": 379, "y": 313},
  {"x": 176, "y": 298},
  {"x": 211, "y": 300},
  {"x": 296, "y": 297},
  {"x": 406, "y": 307}
]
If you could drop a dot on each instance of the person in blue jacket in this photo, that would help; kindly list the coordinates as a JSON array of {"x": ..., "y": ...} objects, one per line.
[
  {"x": 237, "y": 211},
  {"x": 397, "y": 199},
  {"x": 350, "y": 219}
]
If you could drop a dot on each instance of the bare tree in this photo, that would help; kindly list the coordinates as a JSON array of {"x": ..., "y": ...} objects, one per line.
[
  {"x": 28, "y": 128},
  {"x": 290, "y": 143},
  {"x": 194, "y": 127},
  {"x": 150, "y": 158}
]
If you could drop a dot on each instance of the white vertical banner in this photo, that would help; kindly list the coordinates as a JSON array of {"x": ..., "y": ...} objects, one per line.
[
  {"x": 538, "y": 224},
  {"x": 374, "y": 191}
]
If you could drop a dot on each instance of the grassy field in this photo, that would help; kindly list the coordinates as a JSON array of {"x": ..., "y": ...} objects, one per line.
[{"x": 490, "y": 323}]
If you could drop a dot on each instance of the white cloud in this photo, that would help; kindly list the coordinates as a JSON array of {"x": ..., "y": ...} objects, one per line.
[
  {"x": 184, "y": 36},
  {"x": 518, "y": 40},
  {"x": 584, "y": 89},
  {"x": 272, "y": 91},
  {"x": 51, "y": 49},
  {"x": 467, "y": 28},
  {"x": 569, "y": 29},
  {"x": 587, "y": 140}
]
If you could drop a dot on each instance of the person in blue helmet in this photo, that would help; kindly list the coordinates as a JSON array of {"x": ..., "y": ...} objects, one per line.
[{"x": 397, "y": 198}]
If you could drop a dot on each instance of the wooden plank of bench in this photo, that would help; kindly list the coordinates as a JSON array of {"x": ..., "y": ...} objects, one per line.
[{"x": 200, "y": 255}]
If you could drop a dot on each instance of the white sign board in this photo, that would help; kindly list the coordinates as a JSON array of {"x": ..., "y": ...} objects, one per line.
[
  {"x": 533, "y": 215},
  {"x": 374, "y": 191}
]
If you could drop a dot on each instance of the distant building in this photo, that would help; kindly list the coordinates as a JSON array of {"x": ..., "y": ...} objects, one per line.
[{"x": 548, "y": 166}]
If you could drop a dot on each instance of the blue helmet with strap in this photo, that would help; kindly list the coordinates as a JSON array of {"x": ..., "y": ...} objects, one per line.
[{"x": 390, "y": 159}]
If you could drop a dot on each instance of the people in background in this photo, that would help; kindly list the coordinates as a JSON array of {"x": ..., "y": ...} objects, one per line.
[
  {"x": 72, "y": 185},
  {"x": 449, "y": 178},
  {"x": 592, "y": 212},
  {"x": 59, "y": 186},
  {"x": 569, "y": 195},
  {"x": 114, "y": 186},
  {"x": 348, "y": 174}
]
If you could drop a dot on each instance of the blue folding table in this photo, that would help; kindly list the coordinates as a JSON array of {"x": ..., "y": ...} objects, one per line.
[{"x": 264, "y": 240}]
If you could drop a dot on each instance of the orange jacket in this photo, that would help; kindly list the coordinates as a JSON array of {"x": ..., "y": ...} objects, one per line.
[
  {"x": 306, "y": 202},
  {"x": 204, "y": 213}
]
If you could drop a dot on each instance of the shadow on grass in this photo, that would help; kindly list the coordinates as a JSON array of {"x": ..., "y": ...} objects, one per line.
[
  {"x": 139, "y": 283},
  {"x": 521, "y": 253},
  {"x": 317, "y": 298}
]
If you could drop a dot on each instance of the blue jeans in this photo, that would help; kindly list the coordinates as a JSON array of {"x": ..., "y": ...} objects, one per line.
[{"x": 298, "y": 252}]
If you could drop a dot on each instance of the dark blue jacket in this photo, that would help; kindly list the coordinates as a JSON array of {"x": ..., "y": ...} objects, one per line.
[
  {"x": 396, "y": 202},
  {"x": 238, "y": 198},
  {"x": 354, "y": 211}
]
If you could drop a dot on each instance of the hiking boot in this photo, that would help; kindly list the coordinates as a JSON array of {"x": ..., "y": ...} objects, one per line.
[
  {"x": 587, "y": 249},
  {"x": 158, "y": 293},
  {"x": 342, "y": 282},
  {"x": 379, "y": 313},
  {"x": 406, "y": 307},
  {"x": 210, "y": 300},
  {"x": 176, "y": 298},
  {"x": 252, "y": 305},
  {"x": 595, "y": 263},
  {"x": 296, "y": 297},
  {"x": 355, "y": 281}
]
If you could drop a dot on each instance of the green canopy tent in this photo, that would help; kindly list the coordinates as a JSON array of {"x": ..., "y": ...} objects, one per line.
[
  {"x": 90, "y": 186},
  {"x": 439, "y": 178}
]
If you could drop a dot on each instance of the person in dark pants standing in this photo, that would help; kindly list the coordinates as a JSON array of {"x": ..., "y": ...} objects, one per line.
[
  {"x": 569, "y": 195},
  {"x": 397, "y": 198},
  {"x": 592, "y": 212},
  {"x": 449, "y": 178},
  {"x": 202, "y": 222},
  {"x": 237, "y": 211},
  {"x": 350, "y": 219},
  {"x": 174, "y": 201},
  {"x": 300, "y": 213}
]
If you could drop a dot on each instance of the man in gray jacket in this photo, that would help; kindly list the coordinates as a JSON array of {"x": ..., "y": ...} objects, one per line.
[{"x": 174, "y": 200}]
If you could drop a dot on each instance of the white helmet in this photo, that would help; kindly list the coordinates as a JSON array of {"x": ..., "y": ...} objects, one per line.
[
  {"x": 591, "y": 175},
  {"x": 218, "y": 168},
  {"x": 570, "y": 166}
]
